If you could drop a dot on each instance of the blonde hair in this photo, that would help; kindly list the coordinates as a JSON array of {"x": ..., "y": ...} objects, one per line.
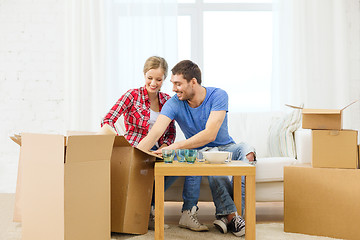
[{"x": 155, "y": 62}]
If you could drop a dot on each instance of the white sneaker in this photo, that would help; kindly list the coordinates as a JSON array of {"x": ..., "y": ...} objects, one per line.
[
  {"x": 189, "y": 220},
  {"x": 221, "y": 224},
  {"x": 151, "y": 225}
]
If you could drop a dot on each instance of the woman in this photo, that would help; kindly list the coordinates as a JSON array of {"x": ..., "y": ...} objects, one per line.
[{"x": 142, "y": 106}]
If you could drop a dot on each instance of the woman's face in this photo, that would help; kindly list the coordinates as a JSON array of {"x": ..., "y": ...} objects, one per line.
[{"x": 153, "y": 80}]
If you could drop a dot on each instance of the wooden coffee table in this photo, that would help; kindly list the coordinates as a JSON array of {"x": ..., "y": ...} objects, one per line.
[{"x": 235, "y": 169}]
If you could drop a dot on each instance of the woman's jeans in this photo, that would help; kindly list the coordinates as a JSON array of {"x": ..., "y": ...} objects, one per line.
[
  {"x": 191, "y": 190},
  {"x": 221, "y": 186}
]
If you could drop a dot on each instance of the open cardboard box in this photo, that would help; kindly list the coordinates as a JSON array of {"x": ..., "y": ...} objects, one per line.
[
  {"x": 322, "y": 118},
  {"x": 63, "y": 188},
  {"x": 132, "y": 178},
  {"x": 322, "y": 201},
  {"x": 132, "y": 181}
]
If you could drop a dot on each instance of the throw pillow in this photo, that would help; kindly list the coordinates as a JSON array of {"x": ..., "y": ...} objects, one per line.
[{"x": 281, "y": 134}]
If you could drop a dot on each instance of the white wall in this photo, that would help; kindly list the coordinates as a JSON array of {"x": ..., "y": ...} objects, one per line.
[{"x": 31, "y": 76}]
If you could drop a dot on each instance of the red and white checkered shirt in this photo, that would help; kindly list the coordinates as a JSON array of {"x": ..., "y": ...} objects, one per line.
[{"x": 135, "y": 106}]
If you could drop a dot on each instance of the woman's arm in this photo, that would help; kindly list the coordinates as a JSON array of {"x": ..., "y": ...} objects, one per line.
[
  {"x": 162, "y": 122},
  {"x": 169, "y": 136},
  {"x": 122, "y": 105}
]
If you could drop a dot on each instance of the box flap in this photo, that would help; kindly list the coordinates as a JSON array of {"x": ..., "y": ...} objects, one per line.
[
  {"x": 293, "y": 106},
  {"x": 84, "y": 148},
  {"x": 42, "y": 186},
  {"x": 120, "y": 141},
  {"x": 16, "y": 138},
  {"x": 321, "y": 111},
  {"x": 349, "y": 105},
  {"x": 149, "y": 153}
]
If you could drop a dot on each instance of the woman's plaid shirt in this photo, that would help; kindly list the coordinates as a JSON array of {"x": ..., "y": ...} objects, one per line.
[{"x": 135, "y": 106}]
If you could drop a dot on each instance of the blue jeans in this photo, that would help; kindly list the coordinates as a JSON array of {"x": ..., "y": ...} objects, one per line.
[
  {"x": 222, "y": 186},
  {"x": 191, "y": 189}
]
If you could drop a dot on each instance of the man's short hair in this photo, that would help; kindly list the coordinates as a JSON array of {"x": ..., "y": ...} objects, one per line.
[{"x": 188, "y": 69}]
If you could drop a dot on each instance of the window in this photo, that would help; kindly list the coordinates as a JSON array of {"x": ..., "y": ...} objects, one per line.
[{"x": 232, "y": 43}]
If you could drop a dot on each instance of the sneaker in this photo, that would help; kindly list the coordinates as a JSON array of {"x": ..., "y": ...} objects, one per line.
[
  {"x": 189, "y": 220},
  {"x": 221, "y": 224},
  {"x": 237, "y": 226},
  {"x": 151, "y": 225}
]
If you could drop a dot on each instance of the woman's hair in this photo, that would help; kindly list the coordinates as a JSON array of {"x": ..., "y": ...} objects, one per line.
[
  {"x": 188, "y": 69},
  {"x": 155, "y": 62}
]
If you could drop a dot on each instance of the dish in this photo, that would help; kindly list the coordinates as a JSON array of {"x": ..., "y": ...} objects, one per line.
[{"x": 217, "y": 157}]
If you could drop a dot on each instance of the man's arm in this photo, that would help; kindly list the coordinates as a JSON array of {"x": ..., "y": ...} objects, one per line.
[
  {"x": 204, "y": 137},
  {"x": 155, "y": 133}
]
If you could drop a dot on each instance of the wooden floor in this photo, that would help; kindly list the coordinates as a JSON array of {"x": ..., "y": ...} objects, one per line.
[{"x": 266, "y": 212}]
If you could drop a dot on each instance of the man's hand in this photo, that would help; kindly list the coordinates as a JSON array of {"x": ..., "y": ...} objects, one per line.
[{"x": 172, "y": 146}]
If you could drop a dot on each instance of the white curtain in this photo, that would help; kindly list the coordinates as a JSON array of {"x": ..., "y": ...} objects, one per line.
[
  {"x": 107, "y": 43},
  {"x": 317, "y": 55},
  {"x": 137, "y": 30},
  {"x": 85, "y": 64}
]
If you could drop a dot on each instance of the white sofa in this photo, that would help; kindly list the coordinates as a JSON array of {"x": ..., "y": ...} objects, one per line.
[{"x": 253, "y": 128}]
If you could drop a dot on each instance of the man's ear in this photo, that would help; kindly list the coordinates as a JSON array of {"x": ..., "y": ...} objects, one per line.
[{"x": 194, "y": 81}]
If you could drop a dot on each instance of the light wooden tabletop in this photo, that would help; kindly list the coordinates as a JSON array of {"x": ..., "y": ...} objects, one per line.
[{"x": 234, "y": 168}]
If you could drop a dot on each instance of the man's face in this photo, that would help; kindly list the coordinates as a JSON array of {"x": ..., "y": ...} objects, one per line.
[{"x": 181, "y": 87}]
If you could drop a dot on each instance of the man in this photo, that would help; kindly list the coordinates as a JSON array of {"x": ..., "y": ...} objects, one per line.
[{"x": 201, "y": 113}]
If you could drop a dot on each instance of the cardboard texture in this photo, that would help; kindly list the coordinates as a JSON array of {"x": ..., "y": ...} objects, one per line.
[
  {"x": 65, "y": 187},
  {"x": 17, "y": 208},
  {"x": 322, "y": 201},
  {"x": 334, "y": 149},
  {"x": 132, "y": 179},
  {"x": 322, "y": 118}
]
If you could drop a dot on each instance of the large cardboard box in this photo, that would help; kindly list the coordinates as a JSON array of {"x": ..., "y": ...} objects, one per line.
[
  {"x": 335, "y": 148},
  {"x": 65, "y": 186},
  {"x": 132, "y": 180},
  {"x": 322, "y": 201},
  {"x": 322, "y": 118}
]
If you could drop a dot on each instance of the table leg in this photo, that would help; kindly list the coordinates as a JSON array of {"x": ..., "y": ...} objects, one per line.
[
  {"x": 237, "y": 190},
  {"x": 159, "y": 207},
  {"x": 250, "y": 208}
]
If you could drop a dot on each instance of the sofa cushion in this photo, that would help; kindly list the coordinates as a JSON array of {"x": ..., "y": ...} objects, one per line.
[
  {"x": 252, "y": 128},
  {"x": 265, "y": 191},
  {"x": 272, "y": 169},
  {"x": 281, "y": 134}
]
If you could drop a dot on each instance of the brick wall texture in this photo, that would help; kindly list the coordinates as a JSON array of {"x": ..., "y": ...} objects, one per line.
[{"x": 31, "y": 76}]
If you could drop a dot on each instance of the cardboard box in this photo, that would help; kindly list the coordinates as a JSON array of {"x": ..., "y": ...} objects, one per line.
[
  {"x": 335, "y": 149},
  {"x": 132, "y": 180},
  {"x": 322, "y": 118},
  {"x": 65, "y": 186},
  {"x": 322, "y": 201}
]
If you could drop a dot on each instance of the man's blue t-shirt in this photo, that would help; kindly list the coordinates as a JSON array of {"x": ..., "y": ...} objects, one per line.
[{"x": 193, "y": 120}]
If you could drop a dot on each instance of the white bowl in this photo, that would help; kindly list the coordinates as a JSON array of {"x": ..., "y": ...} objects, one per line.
[{"x": 216, "y": 156}]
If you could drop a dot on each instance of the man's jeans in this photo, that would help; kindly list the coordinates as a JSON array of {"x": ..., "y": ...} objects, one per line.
[{"x": 221, "y": 186}]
